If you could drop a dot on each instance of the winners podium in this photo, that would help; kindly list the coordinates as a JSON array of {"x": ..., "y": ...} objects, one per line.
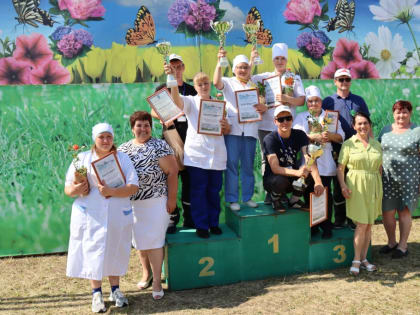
[{"x": 256, "y": 243}]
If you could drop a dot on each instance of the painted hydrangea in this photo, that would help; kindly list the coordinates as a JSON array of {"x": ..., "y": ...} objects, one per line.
[
  {"x": 177, "y": 11},
  {"x": 303, "y": 39},
  {"x": 60, "y": 32},
  {"x": 200, "y": 15},
  {"x": 69, "y": 45},
  {"x": 315, "y": 48},
  {"x": 321, "y": 36},
  {"x": 84, "y": 37}
]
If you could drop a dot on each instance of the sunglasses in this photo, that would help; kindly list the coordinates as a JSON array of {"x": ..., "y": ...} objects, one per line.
[
  {"x": 286, "y": 118},
  {"x": 344, "y": 79}
]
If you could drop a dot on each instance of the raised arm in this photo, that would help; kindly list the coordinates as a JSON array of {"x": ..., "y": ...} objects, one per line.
[
  {"x": 174, "y": 90},
  {"x": 217, "y": 76}
]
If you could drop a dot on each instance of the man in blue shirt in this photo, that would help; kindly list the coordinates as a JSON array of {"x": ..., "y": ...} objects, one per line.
[{"x": 347, "y": 104}]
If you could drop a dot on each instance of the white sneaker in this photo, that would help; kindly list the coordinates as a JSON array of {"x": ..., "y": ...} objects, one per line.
[
  {"x": 251, "y": 203},
  {"x": 234, "y": 206},
  {"x": 118, "y": 297},
  {"x": 98, "y": 305}
]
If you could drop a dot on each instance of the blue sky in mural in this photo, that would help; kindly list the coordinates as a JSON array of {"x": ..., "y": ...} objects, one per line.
[{"x": 120, "y": 15}]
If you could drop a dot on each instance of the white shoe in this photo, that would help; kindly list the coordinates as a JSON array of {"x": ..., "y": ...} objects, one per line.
[
  {"x": 158, "y": 295},
  {"x": 234, "y": 206},
  {"x": 251, "y": 203},
  {"x": 118, "y": 297},
  {"x": 98, "y": 305}
]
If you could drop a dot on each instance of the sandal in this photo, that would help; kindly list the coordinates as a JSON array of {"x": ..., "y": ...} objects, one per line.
[
  {"x": 387, "y": 249},
  {"x": 354, "y": 271},
  {"x": 157, "y": 295},
  {"x": 299, "y": 204},
  {"x": 368, "y": 266},
  {"x": 145, "y": 284}
]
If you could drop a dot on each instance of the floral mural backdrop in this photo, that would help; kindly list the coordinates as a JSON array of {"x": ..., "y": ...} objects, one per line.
[{"x": 94, "y": 41}]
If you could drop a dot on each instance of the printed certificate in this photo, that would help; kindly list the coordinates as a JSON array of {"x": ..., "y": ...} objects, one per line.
[
  {"x": 332, "y": 115},
  {"x": 164, "y": 106},
  {"x": 272, "y": 88},
  {"x": 108, "y": 170},
  {"x": 209, "y": 117},
  {"x": 246, "y": 101},
  {"x": 318, "y": 211}
]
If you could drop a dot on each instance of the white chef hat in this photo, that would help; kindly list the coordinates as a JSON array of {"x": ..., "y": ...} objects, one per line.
[
  {"x": 312, "y": 90},
  {"x": 101, "y": 128},
  {"x": 279, "y": 49},
  {"x": 239, "y": 59}
]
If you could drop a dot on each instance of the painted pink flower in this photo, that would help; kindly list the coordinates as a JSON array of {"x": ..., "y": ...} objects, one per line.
[
  {"x": 32, "y": 49},
  {"x": 82, "y": 9},
  {"x": 13, "y": 71},
  {"x": 329, "y": 70},
  {"x": 364, "y": 70},
  {"x": 346, "y": 53},
  {"x": 302, "y": 11},
  {"x": 51, "y": 73}
]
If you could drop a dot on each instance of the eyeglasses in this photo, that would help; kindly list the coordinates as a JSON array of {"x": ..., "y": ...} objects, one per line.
[
  {"x": 344, "y": 79},
  {"x": 286, "y": 118}
]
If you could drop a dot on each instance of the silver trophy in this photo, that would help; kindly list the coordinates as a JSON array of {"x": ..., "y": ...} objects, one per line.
[
  {"x": 164, "y": 48},
  {"x": 251, "y": 30},
  {"x": 221, "y": 28}
]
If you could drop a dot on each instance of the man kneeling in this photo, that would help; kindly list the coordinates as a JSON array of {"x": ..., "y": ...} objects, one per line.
[{"x": 281, "y": 151}]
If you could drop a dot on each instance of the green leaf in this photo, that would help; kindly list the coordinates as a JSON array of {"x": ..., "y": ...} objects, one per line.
[
  {"x": 210, "y": 35},
  {"x": 324, "y": 17},
  {"x": 324, "y": 8},
  {"x": 54, "y": 11},
  {"x": 292, "y": 22},
  {"x": 303, "y": 26}
]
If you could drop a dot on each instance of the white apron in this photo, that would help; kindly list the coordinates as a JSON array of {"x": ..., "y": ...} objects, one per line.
[{"x": 100, "y": 229}]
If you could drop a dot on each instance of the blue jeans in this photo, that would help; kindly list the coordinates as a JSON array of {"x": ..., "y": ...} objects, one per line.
[
  {"x": 239, "y": 148},
  {"x": 205, "y": 199}
]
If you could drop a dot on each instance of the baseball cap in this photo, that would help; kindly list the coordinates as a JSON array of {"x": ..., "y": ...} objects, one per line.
[
  {"x": 342, "y": 72},
  {"x": 175, "y": 57},
  {"x": 280, "y": 109}
]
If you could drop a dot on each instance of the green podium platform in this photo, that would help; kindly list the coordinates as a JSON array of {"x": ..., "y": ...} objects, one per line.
[{"x": 255, "y": 244}]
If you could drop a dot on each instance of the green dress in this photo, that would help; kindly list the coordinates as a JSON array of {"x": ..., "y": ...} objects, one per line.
[
  {"x": 401, "y": 176},
  {"x": 363, "y": 179}
]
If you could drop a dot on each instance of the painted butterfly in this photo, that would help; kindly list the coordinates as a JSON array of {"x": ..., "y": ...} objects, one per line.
[
  {"x": 345, "y": 12},
  {"x": 264, "y": 36},
  {"x": 29, "y": 13},
  {"x": 144, "y": 31}
]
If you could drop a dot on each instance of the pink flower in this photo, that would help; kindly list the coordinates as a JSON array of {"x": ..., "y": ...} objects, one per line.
[
  {"x": 346, "y": 53},
  {"x": 13, "y": 71},
  {"x": 50, "y": 73},
  {"x": 82, "y": 9},
  {"x": 329, "y": 70},
  {"x": 302, "y": 11},
  {"x": 364, "y": 70},
  {"x": 32, "y": 49}
]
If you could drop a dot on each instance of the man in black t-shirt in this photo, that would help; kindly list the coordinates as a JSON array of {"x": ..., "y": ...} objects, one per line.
[
  {"x": 181, "y": 126},
  {"x": 282, "y": 150}
]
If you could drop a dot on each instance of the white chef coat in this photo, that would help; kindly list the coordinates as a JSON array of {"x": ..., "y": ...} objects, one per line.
[
  {"x": 100, "y": 228},
  {"x": 203, "y": 151},
  {"x": 230, "y": 86},
  {"x": 267, "y": 122},
  {"x": 325, "y": 163}
]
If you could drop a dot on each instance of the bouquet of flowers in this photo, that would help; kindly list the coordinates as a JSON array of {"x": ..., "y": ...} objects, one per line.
[
  {"x": 288, "y": 82},
  {"x": 80, "y": 175},
  {"x": 315, "y": 126},
  {"x": 261, "y": 92}
]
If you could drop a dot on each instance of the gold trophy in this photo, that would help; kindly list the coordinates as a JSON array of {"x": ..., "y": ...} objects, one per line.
[
  {"x": 163, "y": 48},
  {"x": 221, "y": 28},
  {"x": 315, "y": 150},
  {"x": 251, "y": 30}
]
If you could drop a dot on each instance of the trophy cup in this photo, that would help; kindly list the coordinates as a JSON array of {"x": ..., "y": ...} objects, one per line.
[
  {"x": 315, "y": 150},
  {"x": 221, "y": 28},
  {"x": 163, "y": 48},
  {"x": 251, "y": 30}
]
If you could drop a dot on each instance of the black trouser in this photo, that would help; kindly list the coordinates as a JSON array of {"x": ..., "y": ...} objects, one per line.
[
  {"x": 279, "y": 185},
  {"x": 185, "y": 199},
  {"x": 326, "y": 182},
  {"x": 339, "y": 203}
]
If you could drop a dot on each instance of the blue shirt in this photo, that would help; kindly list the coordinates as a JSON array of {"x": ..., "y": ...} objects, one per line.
[{"x": 345, "y": 106}]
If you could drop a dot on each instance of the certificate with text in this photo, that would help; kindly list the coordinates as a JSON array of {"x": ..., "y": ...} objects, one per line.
[
  {"x": 108, "y": 170},
  {"x": 164, "y": 106},
  {"x": 318, "y": 211},
  {"x": 272, "y": 88},
  {"x": 332, "y": 116},
  {"x": 209, "y": 117},
  {"x": 246, "y": 101}
]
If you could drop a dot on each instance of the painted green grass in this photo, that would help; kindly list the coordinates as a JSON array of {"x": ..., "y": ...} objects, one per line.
[{"x": 37, "y": 123}]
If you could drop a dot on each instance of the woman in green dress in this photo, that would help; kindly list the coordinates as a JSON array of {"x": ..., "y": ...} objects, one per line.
[
  {"x": 401, "y": 176},
  {"x": 362, "y": 186}
]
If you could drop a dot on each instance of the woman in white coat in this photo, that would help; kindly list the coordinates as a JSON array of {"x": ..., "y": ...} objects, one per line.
[{"x": 101, "y": 221}]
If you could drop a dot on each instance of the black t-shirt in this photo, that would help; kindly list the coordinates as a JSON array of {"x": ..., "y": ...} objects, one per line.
[
  {"x": 286, "y": 149},
  {"x": 182, "y": 126}
]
